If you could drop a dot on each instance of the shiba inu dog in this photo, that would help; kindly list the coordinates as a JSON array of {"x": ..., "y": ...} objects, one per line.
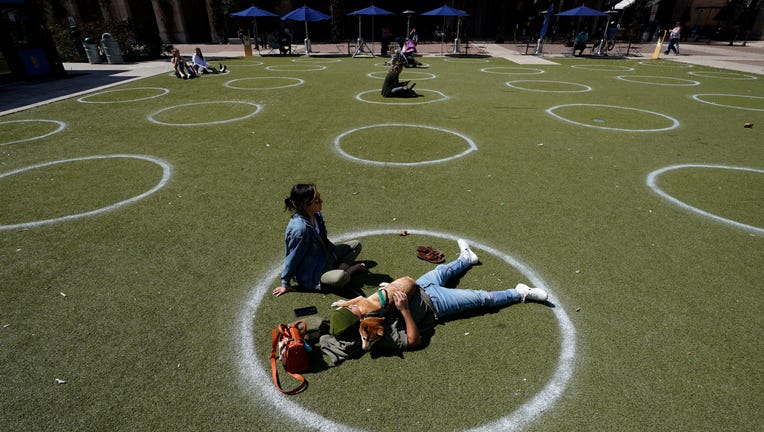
[
  {"x": 371, "y": 329},
  {"x": 381, "y": 298}
]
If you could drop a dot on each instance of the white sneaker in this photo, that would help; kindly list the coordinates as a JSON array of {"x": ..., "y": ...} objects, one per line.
[
  {"x": 528, "y": 293},
  {"x": 466, "y": 252}
]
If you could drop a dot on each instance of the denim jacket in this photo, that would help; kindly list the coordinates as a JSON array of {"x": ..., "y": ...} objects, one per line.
[{"x": 308, "y": 253}]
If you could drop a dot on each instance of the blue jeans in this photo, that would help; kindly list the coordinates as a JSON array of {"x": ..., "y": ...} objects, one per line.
[
  {"x": 448, "y": 301},
  {"x": 673, "y": 46}
]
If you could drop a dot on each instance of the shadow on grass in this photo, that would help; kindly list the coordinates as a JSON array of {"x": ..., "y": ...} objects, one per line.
[
  {"x": 18, "y": 94},
  {"x": 469, "y": 56},
  {"x": 329, "y": 55}
]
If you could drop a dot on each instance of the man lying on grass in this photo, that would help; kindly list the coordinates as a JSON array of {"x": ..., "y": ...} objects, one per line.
[{"x": 430, "y": 302}]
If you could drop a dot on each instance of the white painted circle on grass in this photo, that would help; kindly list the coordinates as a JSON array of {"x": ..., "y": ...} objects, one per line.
[
  {"x": 166, "y": 173},
  {"x": 337, "y": 144},
  {"x": 387, "y": 65},
  {"x": 230, "y": 84},
  {"x": 295, "y": 68},
  {"x": 674, "y": 122},
  {"x": 163, "y": 91},
  {"x": 604, "y": 68},
  {"x": 259, "y": 380},
  {"x": 153, "y": 120},
  {"x": 400, "y": 101},
  {"x": 666, "y": 64},
  {"x": 652, "y": 179},
  {"x": 512, "y": 70},
  {"x": 699, "y": 98},
  {"x": 468, "y": 60},
  {"x": 584, "y": 88},
  {"x": 61, "y": 126},
  {"x": 316, "y": 60},
  {"x": 654, "y": 80},
  {"x": 723, "y": 75},
  {"x": 422, "y": 76},
  {"x": 199, "y": 76},
  {"x": 213, "y": 75}
]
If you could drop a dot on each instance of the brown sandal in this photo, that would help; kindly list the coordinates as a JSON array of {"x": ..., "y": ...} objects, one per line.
[
  {"x": 424, "y": 249},
  {"x": 430, "y": 255}
]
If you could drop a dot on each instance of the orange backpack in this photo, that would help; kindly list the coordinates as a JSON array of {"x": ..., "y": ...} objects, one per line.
[{"x": 290, "y": 349}]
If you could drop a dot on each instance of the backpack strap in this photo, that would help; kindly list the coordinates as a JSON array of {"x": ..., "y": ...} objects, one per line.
[
  {"x": 301, "y": 326},
  {"x": 274, "y": 354}
]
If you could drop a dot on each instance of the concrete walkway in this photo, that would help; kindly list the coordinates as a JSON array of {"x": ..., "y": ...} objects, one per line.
[{"x": 84, "y": 78}]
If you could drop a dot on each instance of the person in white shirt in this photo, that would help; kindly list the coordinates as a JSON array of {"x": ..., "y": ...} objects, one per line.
[
  {"x": 674, "y": 36},
  {"x": 201, "y": 65}
]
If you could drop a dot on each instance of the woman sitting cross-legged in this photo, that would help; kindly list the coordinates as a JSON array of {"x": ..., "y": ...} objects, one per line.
[
  {"x": 312, "y": 261},
  {"x": 393, "y": 87}
]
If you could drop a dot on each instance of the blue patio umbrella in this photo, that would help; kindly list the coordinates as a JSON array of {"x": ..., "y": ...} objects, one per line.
[
  {"x": 544, "y": 28},
  {"x": 582, "y": 11},
  {"x": 305, "y": 14},
  {"x": 447, "y": 11},
  {"x": 254, "y": 12},
  {"x": 369, "y": 11}
]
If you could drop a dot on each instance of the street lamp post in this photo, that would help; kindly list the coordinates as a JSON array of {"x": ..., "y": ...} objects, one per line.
[{"x": 408, "y": 14}]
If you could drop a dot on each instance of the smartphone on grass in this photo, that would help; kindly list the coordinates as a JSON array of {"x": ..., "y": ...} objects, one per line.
[{"x": 303, "y": 311}]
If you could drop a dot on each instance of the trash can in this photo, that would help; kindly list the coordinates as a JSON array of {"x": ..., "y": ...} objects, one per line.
[
  {"x": 111, "y": 49},
  {"x": 91, "y": 51}
]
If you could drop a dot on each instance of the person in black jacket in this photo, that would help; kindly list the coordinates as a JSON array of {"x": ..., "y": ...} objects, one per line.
[{"x": 392, "y": 86}]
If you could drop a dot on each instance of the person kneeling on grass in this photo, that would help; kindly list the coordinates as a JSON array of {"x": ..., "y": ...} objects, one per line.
[
  {"x": 432, "y": 302},
  {"x": 393, "y": 87}
]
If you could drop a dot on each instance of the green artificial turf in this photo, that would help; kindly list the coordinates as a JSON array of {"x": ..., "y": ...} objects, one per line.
[{"x": 141, "y": 309}]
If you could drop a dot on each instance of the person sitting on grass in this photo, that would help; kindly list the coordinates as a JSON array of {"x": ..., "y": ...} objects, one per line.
[
  {"x": 408, "y": 52},
  {"x": 393, "y": 87},
  {"x": 432, "y": 302},
  {"x": 182, "y": 69},
  {"x": 312, "y": 260},
  {"x": 201, "y": 66}
]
